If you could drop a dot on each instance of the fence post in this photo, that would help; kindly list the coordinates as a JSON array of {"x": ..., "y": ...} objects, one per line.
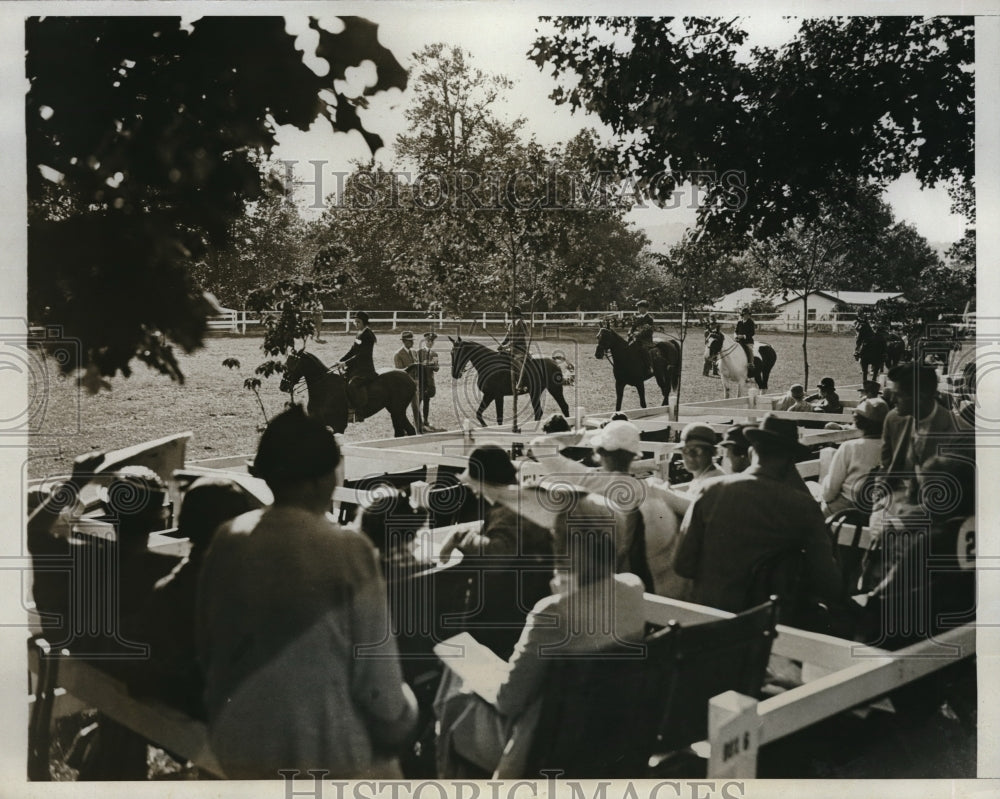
[
  {"x": 734, "y": 735},
  {"x": 484, "y": 320},
  {"x": 395, "y": 318},
  {"x": 440, "y": 320},
  {"x": 347, "y": 321}
]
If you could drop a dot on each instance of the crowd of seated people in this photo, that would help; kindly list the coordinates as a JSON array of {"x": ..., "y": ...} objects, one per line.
[{"x": 276, "y": 628}]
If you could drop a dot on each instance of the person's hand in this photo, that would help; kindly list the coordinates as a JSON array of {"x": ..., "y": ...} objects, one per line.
[{"x": 463, "y": 540}]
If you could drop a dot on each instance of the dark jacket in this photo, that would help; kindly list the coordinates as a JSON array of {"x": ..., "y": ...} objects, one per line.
[
  {"x": 359, "y": 356},
  {"x": 747, "y": 329},
  {"x": 642, "y": 327}
]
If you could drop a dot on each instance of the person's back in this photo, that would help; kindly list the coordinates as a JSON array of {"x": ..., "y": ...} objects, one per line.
[{"x": 301, "y": 670}]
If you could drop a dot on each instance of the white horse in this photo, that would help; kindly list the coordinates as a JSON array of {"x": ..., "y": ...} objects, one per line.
[{"x": 733, "y": 367}]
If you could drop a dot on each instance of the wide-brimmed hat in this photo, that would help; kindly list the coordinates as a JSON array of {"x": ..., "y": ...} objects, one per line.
[
  {"x": 874, "y": 409},
  {"x": 735, "y": 436},
  {"x": 618, "y": 435},
  {"x": 362, "y": 316},
  {"x": 826, "y": 382},
  {"x": 406, "y": 335},
  {"x": 431, "y": 335},
  {"x": 489, "y": 463},
  {"x": 775, "y": 430},
  {"x": 701, "y": 433}
]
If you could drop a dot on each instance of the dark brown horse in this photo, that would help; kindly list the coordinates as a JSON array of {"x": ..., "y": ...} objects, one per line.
[
  {"x": 630, "y": 369},
  {"x": 493, "y": 377},
  {"x": 393, "y": 391}
]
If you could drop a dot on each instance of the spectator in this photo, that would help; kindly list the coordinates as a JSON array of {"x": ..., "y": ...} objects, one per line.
[
  {"x": 735, "y": 449},
  {"x": 391, "y": 525},
  {"x": 739, "y": 521},
  {"x": 592, "y": 609},
  {"x": 869, "y": 390},
  {"x": 289, "y": 605},
  {"x": 794, "y": 400},
  {"x": 489, "y": 474},
  {"x": 167, "y": 620},
  {"x": 427, "y": 387},
  {"x": 827, "y": 400},
  {"x": 854, "y": 459},
  {"x": 617, "y": 445},
  {"x": 556, "y": 423},
  {"x": 405, "y": 357},
  {"x": 917, "y": 427}
]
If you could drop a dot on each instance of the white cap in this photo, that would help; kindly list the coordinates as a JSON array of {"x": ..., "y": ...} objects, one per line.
[{"x": 617, "y": 435}]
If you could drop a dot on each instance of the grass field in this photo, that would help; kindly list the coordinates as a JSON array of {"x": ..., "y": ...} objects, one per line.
[{"x": 224, "y": 417}]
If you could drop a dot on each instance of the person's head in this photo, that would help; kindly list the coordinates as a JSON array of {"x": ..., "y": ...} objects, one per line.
[
  {"x": 642, "y": 305},
  {"x": 735, "y": 449},
  {"x": 745, "y": 313},
  {"x": 361, "y": 319},
  {"x": 299, "y": 459},
  {"x": 136, "y": 501},
  {"x": 429, "y": 338},
  {"x": 407, "y": 339},
  {"x": 775, "y": 441},
  {"x": 869, "y": 414},
  {"x": 697, "y": 447},
  {"x": 869, "y": 388},
  {"x": 826, "y": 386},
  {"x": 390, "y": 522},
  {"x": 617, "y": 444},
  {"x": 208, "y": 503},
  {"x": 618, "y": 416},
  {"x": 592, "y": 554},
  {"x": 947, "y": 486},
  {"x": 798, "y": 391},
  {"x": 914, "y": 388},
  {"x": 489, "y": 468},
  {"x": 556, "y": 423},
  {"x": 515, "y": 312}
]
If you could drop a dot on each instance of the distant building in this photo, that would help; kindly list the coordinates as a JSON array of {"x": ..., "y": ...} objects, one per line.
[{"x": 791, "y": 310}]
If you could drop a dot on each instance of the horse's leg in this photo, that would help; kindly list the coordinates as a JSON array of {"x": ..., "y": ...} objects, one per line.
[
  {"x": 498, "y": 402},
  {"x": 640, "y": 389},
  {"x": 536, "y": 405},
  {"x": 487, "y": 399},
  {"x": 556, "y": 391},
  {"x": 619, "y": 390}
]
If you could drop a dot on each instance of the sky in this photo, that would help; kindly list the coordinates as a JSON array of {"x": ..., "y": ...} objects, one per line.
[{"x": 498, "y": 37}]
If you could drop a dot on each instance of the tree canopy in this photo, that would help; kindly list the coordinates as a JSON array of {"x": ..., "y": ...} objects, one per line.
[
  {"x": 143, "y": 144},
  {"x": 773, "y": 134}
]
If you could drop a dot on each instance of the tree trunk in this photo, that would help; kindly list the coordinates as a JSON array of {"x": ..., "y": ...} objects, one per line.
[{"x": 805, "y": 341}]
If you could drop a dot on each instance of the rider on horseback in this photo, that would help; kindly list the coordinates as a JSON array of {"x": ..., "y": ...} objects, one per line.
[
  {"x": 516, "y": 341},
  {"x": 745, "y": 329},
  {"x": 642, "y": 331},
  {"x": 711, "y": 368},
  {"x": 360, "y": 366}
]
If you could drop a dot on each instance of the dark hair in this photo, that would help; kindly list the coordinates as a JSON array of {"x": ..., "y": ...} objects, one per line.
[
  {"x": 868, "y": 427},
  {"x": 390, "y": 522},
  {"x": 135, "y": 498},
  {"x": 939, "y": 474},
  {"x": 619, "y": 459},
  {"x": 294, "y": 448},
  {"x": 556, "y": 423},
  {"x": 916, "y": 378},
  {"x": 209, "y": 502},
  {"x": 592, "y": 554}
]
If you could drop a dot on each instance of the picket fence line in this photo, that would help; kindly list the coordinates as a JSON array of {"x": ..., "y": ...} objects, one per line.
[{"x": 239, "y": 321}]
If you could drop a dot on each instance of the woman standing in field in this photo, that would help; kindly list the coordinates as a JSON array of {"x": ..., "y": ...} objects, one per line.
[{"x": 428, "y": 358}]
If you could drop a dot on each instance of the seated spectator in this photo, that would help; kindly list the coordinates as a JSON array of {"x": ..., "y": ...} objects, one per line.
[
  {"x": 827, "y": 400},
  {"x": 698, "y": 442},
  {"x": 592, "y": 609},
  {"x": 794, "y": 400},
  {"x": 301, "y": 671},
  {"x": 869, "y": 390},
  {"x": 618, "y": 416},
  {"x": 735, "y": 449},
  {"x": 740, "y": 521},
  {"x": 489, "y": 474},
  {"x": 167, "y": 620},
  {"x": 930, "y": 578},
  {"x": 854, "y": 459},
  {"x": 391, "y": 524},
  {"x": 617, "y": 445}
]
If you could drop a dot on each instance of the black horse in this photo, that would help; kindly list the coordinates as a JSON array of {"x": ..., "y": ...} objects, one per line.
[
  {"x": 629, "y": 367},
  {"x": 393, "y": 391},
  {"x": 895, "y": 348},
  {"x": 494, "y": 377},
  {"x": 870, "y": 350}
]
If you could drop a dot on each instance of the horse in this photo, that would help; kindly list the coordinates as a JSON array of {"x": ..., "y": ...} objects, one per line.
[
  {"x": 393, "y": 390},
  {"x": 494, "y": 377},
  {"x": 629, "y": 367},
  {"x": 895, "y": 349},
  {"x": 869, "y": 350},
  {"x": 733, "y": 366}
]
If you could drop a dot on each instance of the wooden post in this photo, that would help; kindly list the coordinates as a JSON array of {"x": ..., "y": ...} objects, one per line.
[
  {"x": 734, "y": 735},
  {"x": 395, "y": 319},
  {"x": 347, "y": 321}
]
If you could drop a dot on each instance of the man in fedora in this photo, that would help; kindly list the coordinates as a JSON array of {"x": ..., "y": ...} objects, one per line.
[
  {"x": 741, "y": 521},
  {"x": 405, "y": 357},
  {"x": 827, "y": 400},
  {"x": 735, "y": 449}
]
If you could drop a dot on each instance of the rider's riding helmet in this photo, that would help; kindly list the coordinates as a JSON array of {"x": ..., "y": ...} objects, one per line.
[
  {"x": 362, "y": 316},
  {"x": 516, "y": 311},
  {"x": 745, "y": 312},
  {"x": 642, "y": 304}
]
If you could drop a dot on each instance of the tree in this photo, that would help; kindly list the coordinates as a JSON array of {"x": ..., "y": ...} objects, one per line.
[
  {"x": 767, "y": 136},
  {"x": 149, "y": 134},
  {"x": 820, "y": 252}
]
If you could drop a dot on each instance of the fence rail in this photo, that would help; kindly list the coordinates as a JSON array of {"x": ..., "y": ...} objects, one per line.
[{"x": 240, "y": 321}]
